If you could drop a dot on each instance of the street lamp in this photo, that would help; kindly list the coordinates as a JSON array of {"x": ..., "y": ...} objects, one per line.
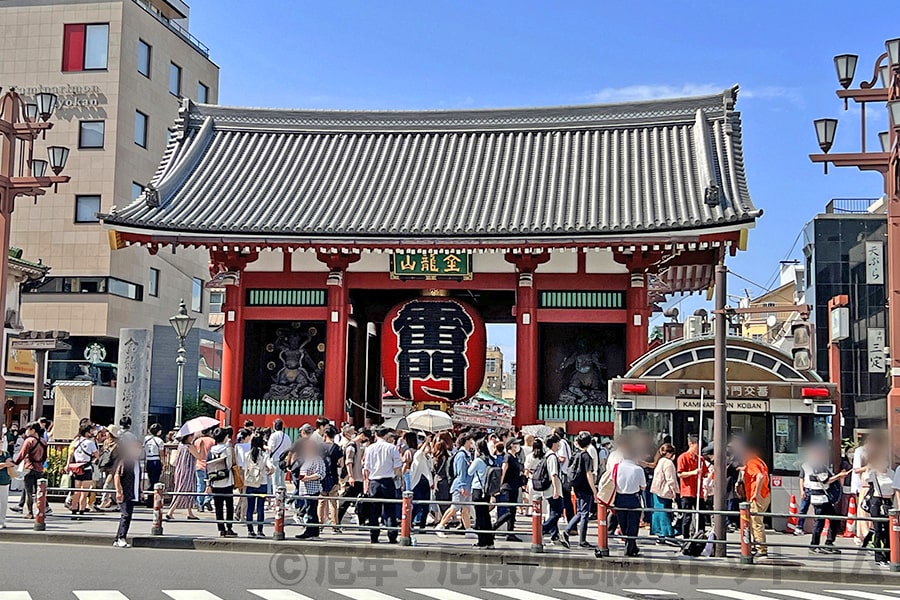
[
  {"x": 20, "y": 173},
  {"x": 182, "y": 323},
  {"x": 885, "y": 161}
]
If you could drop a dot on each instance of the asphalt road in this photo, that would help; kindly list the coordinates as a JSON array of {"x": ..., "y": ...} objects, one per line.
[{"x": 64, "y": 572}]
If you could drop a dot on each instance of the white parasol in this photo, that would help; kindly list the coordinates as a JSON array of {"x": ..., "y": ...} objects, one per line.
[
  {"x": 197, "y": 425},
  {"x": 429, "y": 420}
]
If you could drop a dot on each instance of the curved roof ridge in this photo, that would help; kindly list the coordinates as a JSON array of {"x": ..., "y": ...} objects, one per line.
[{"x": 564, "y": 116}]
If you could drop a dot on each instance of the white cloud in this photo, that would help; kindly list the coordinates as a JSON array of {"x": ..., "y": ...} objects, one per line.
[
  {"x": 654, "y": 92},
  {"x": 630, "y": 93}
]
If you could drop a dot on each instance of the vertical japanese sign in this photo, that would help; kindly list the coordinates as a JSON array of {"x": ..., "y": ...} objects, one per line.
[
  {"x": 433, "y": 349},
  {"x": 877, "y": 359},
  {"x": 874, "y": 262}
]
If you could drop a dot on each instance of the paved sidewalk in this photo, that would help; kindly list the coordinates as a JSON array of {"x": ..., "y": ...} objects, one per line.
[{"x": 791, "y": 562}]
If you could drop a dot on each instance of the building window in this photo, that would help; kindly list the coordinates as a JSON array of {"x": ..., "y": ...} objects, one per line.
[
  {"x": 85, "y": 47},
  {"x": 174, "y": 79},
  {"x": 91, "y": 134},
  {"x": 153, "y": 283},
  {"x": 140, "y": 129},
  {"x": 491, "y": 365},
  {"x": 197, "y": 295},
  {"x": 136, "y": 190},
  {"x": 216, "y": 300},
  {"x": 90, "y": 285},
  {"x": 86, "y": 209},
  {"x": 202, "y": 93},
  {"x": 143, "y": 58}
]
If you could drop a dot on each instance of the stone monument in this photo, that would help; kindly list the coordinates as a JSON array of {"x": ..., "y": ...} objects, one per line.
[{"x": 133, "y": 384}]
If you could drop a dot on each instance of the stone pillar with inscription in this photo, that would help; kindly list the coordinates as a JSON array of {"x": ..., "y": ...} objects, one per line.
[{"x": 133, "y": 391}]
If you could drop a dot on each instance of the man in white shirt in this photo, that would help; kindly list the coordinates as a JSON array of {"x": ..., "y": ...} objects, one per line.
[
  {"x": 630, "y": 484},
  {"x": 278, "y": 444},
  {"x": 381, "y": 464}
]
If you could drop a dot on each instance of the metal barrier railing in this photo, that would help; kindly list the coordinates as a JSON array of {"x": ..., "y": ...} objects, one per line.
[{"x": 405, "y": 525}]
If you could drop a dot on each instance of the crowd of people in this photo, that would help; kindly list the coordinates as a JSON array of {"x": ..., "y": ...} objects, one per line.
[{"x": 470, "y": 482}]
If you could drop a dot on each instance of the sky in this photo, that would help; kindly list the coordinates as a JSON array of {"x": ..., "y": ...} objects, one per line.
[{"x": 437, "y": 54}]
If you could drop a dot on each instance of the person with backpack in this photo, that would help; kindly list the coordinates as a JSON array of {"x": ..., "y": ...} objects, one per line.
[
  {"x": 277, "y": 447},
  {"x": 581, "y": 475},
  {"x": 818, "y": 480},
  {"x": 484, "y": 472},
  {"x": 546, "y": 481},
  {"x": 154, "y": 449},
  {"x": 33, "y": 453},
  {"x": 106, "y": 463},
  {"x": 564, "y": 454},
  {"x": 220, "y": 481},
  {"x": 460, "y": 489},
  {"x": 353, "y": 461},
  {"x": 333, "y": 459},
  {"x": 256, "y": 471}
]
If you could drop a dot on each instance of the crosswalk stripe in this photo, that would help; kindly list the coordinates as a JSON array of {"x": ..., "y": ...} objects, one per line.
[
  {"x": 190, "y": 595},
  {"x": 278, "y": 595},
  {"x": 650, "y": 592},
  {"x": 100, "y": 595},
  {"x": 735, "y": 595},
  {"x": 862, "y": 595},
  {"x": 365, "y": 594},
  {"x": 593, "y": 594},
  {"x": 801, "y": 595},
  {"x": 441, "y": 594},
  {"x": 518, "y": 594},
  {"x": 15, "y": 596}
]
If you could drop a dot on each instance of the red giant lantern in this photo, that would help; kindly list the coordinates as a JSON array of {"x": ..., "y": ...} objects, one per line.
[{"x": 433, "y": 350}]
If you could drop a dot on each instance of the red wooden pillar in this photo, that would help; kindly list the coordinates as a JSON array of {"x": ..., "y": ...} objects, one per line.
[
  {"x": 233, "y": 354},
  {"x": 228, "y": 266},
  {"x": 336, "y": 348},
  {"x": 526, "y": 352},
  {"x": 636, "y": 301},
  {"x": 527, "y": 362},
  {"x": 336, "y": 335}
]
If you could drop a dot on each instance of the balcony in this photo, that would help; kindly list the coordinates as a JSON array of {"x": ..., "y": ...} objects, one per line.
[{"x": 177, "y": 29}]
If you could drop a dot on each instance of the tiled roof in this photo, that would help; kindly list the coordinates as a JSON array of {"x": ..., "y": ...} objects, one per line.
[{"x": 579, "y": 172}]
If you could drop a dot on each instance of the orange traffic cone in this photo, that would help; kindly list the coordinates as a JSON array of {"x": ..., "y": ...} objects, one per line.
[
  {"x": 850, "y": 527},
  {"x": 793, "y": 520}
]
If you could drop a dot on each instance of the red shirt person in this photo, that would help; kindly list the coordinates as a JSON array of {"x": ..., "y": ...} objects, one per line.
[{"x": 691, "y": 469}]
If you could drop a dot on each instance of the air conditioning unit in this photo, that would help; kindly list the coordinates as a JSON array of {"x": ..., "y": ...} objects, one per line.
[
  {"x": 624, "y": 404},
  {"x": 693, "y": 327}
]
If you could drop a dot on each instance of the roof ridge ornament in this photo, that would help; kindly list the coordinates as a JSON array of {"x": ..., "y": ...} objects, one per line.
[{"x": 151, "y": 196}]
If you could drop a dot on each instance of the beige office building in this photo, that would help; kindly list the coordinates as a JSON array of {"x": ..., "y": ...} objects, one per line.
[{"x": 120, "y": 69}]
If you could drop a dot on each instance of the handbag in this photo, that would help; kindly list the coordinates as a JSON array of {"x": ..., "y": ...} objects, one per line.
[
  {"x": 236, "y": 472},
  {"x": 606, "y": 491},
  {"x": 65, "y": 481}
]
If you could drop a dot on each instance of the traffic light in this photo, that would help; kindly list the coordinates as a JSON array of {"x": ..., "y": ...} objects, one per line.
[{"x": 804, "y": 347}]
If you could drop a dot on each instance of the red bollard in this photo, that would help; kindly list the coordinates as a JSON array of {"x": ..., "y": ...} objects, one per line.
[
  {"x": 406, "y": 519},
  {"x": 602, "y": 531},
  {"x": 158, "y": 501},
  {"x": 280, "y": 493},
  {"x": 895, "y": 539},
  {"x": 40, "y": 506},
  {"x": 746, "y": 548},
  {"x": 537, "y": 525}
]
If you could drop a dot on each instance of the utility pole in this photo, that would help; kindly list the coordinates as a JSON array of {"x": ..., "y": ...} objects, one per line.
[{"x": 720, "y": 414}]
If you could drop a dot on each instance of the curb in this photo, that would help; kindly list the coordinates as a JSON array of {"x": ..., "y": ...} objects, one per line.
[{"x": 775, "y": 570}]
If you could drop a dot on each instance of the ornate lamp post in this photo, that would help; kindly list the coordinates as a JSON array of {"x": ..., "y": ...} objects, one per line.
[
  {"x": 885, "y": 161},
  {"x": 182, "y": 323},
  {"x": 21, "y": 174}
]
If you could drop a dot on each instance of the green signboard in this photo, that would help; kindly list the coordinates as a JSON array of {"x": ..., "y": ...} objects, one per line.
[{"x": 431, "y": 265}]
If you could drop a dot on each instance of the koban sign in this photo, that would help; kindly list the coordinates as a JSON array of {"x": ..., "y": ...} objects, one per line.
[{"x": 732, "y": 405}]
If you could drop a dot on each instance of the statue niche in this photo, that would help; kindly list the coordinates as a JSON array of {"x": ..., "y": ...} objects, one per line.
[
  {"x": 588, "y": 381},
  {"x": 298, "y": 375}
]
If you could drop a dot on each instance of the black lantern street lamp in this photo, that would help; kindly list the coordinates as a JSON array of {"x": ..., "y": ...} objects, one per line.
[{"x": 182, "y": 323}]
